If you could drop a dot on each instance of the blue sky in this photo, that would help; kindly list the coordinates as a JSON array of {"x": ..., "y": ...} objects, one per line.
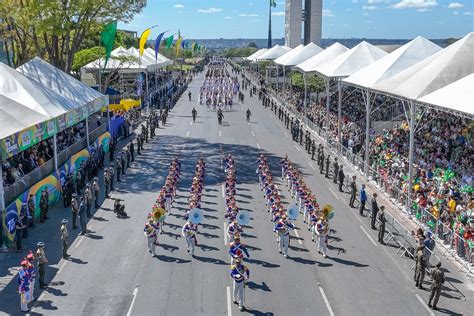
[{"x": 398, "y": 19}]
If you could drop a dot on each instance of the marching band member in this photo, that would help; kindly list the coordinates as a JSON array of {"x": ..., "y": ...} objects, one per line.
[
  {"x": 283, "y": 227},
  {"x": 30, "y": 258},
  {"x": 150, "y": 234},
  {"x": 239, "y": 273},
  {"x": 24, "y": 286},
  {"x": 322, "y": 230},
  {"x": 233, "y": 230},
  {"x": 189, "y": 231},
  {"x": 237, "y": 250}
]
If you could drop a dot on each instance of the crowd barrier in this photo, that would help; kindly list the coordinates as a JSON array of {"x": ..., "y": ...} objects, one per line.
[{"x": 455, "y": 246}]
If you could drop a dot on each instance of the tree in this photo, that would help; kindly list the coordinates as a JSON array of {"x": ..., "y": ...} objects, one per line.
[
  {"x": 55, "y": 30},
  {"x": 85, "y": 56},
  {"x": 314, "y": 82},
  {"x": 252, "y": 44}
]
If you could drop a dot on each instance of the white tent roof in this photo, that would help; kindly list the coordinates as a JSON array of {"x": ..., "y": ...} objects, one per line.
[
  {"x": 32, "y": 94},
  {"x": 322, "y": 58},
  {"x": 393, "y": 63},
  {"x": 289, "y": 54},
  {"x": 160, "y": 62},
  {"x": 433, "y": 73},
  {"x": 351, "y": 61},
  {"x": 60, "y": 82},
  {"x": 257, "y": 54},
  {"x": 15, "y": 117},
  {"x": 299, "y": 56},
  {"x": 274, "y": 52},
  {"x": 456, "y": 96}
]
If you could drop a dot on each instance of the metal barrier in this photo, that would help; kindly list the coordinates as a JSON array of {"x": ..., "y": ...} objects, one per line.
[
  {"x": 454, "y": 244},
  {"x": 16, "y": 189}
]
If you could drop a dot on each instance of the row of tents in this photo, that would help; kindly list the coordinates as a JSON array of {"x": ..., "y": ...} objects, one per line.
[
  {"x": 134, "y": 62},
  {"x": 37, "y": 100},
  {"x": 419, "y": 71}
]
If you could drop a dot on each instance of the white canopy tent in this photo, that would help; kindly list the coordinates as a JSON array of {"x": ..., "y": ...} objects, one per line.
[
  {"x": 455, "y": 96},
  {"x": 295, "y": 56},
  {"x": 257, "y": 54},
  {"x": 274, "y": 52},
  {"x": 323, "y": 57},
  {"x": 34, "y": 95},
  {"x": 15, "y": 117}
]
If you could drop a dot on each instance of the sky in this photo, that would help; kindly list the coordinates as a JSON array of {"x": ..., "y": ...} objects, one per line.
[{"x": 390, "y": 19}]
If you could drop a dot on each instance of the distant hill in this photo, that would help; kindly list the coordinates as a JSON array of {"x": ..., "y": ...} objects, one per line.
[{"x": 223, "y": 43}]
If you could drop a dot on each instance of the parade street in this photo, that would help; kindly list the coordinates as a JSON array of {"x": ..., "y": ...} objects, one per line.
[{"x": 113, "y": 274}]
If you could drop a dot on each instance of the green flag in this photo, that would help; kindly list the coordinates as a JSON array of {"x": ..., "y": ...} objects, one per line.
[
  {"x": 107, "y": 38},
  {"x": 169, "y": 42},
  {"x": 273, "y": 3}
]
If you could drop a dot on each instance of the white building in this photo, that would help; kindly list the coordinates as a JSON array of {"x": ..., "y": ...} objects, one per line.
[{"x": 295, "y": 15}]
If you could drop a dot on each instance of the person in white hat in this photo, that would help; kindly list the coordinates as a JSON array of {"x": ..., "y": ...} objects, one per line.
[
  {"x": 42, "y": 262},
  {"x": 64, "y": 238}
]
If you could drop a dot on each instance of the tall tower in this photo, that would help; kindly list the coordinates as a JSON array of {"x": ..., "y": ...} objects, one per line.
[
  {"x": 313, "y": 14},
  {"x": 293, "y": 19}
]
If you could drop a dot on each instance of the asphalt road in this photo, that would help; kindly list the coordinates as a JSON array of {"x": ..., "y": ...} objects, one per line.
[{"x": 113, "y": 273}]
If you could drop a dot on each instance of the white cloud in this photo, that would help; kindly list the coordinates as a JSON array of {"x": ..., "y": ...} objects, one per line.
[
  {"x": 377, "y": 1},
  {"x": 328, "y": 13},
  {"x": 228, "y": 18},
  {"x": 455, "y": 5},
  {"x": 455, "y": 13},
  {"x": 420, "y": 4},
  {"x": 210, "y": 10},
  {"x": 178, "y": 6},
  {"x": 365, "y": 13},
  {"x": 279, "y": 13},
  {"x": 369, "y": 7},
  {"x": 423, "y": 10},
  {"x": 354, "y": 1},
  {"x": 467, "y": 13},
  {"x": 248, "y": 14}
]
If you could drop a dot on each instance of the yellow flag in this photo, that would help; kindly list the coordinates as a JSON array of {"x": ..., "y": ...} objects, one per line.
[
  {"x": 178, "y": 45},
  {"x": 143, "y": 39}
]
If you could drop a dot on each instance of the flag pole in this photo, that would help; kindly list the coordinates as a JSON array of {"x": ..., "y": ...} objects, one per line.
[{"x": 269, "y": 24}]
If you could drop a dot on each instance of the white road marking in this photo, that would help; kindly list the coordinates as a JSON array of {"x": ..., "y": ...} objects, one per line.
[
  {"x": 297, "y": 148},
  {"x": 223, "y": 190},
  {"x": 311, "y": 165},
  {"x": 326, "y": 301},
  {"x": 370, "y": 237},
  {"x": 81, "y": 238},
  {"x": 220, "y": 133},
  {"x": 253, "y": 133},
  {"x": 258, "y": 146},
  {"x": 298, "y": 236},
  {"x": 191, "y": 123},
  {"x": 225, "y": 234},
  {"x": 229, "y": 302},
  {"x": 424, "y": 304},
  {"x": 135, "y": 291},
  {"x": 333, "y": 192},
  {"x": 187, "y": 133},
  {"x": 62, "y": 266}
]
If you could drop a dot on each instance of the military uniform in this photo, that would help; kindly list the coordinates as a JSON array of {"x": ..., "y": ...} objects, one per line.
[
  {"x": 420, "y": 267},
  {"x": 88, "y": 199},
  {"x": 239, "y": 273},
  {"x": 382, "y": 221},
  {"x": 74, "y": 210},
  {"x": 353, "y": 192},
  {"x": 96, "y": 188},
  {"x": 436, "y": 285},
  {"x": 42, "y": 262},
  {"x": 64, "y": 238},
  {"x": 119, "y": 168}
]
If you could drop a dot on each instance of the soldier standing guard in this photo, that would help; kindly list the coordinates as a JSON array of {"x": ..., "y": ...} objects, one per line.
[
  {"x": 382, "y": 221},
  {"x": 96, "y": 188},
  {"x": 336, "y": 170},
  {"x": 64, "y": 238},
  {"x": 82, "y": 217},
  {"x": 353, "y": 191},
  {"x": 74, "y": 210},
  {"x": 88, "y": 199},
  {"x": 106, "y": 182},
  {"x": 436, "y": 284},
  {"x": 313, "y": 149},
  {"x": 111, "y": 176},
  {"x": 420, "y": 266},
  {"x": 327, "y": 166},
  {"x": 118, "y": 163},
  {"x": 42, "y": 262}
]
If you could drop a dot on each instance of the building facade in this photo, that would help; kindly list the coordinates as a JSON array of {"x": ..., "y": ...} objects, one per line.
[{"x": 306, "y": 21}]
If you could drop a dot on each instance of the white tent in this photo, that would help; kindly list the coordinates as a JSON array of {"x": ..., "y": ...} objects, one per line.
[
  {"x": 160, "y": 62},
  {"x": 33, "y": 95},
  {"x": 274, "y": 52},
  {"x": 113, "y": 63},
  {"x": 456, "y": 96},
  {"x": 351, "y": 61},
  {"x": 323, "y": 57},
  {"x": 289, "y": 54},
  {"x": 393, "y": 63},
  {"x": 257, "y": 54},
  {"x": 15, "y": 117},
  {"x": 62, "y": 83},
  {"x": 294, "y": 58},
  {"x": 433, "y": 73}
]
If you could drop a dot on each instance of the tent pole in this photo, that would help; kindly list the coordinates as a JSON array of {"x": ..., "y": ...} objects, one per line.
[
  {"x": 284, "y": 78},
  {"x": 147, "y": 95},
  {"x": 411, "y": 153},
  {"x": 339, "y": 109},
  {"x": 305, "y": 91},
  {"x": 367, "y": 129},
  {"x": 55, "y": 151},
  {"x": 326, "y": 82},
  {"x": 2, "y": 199},
  {"x": 87, "y": 131}
]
